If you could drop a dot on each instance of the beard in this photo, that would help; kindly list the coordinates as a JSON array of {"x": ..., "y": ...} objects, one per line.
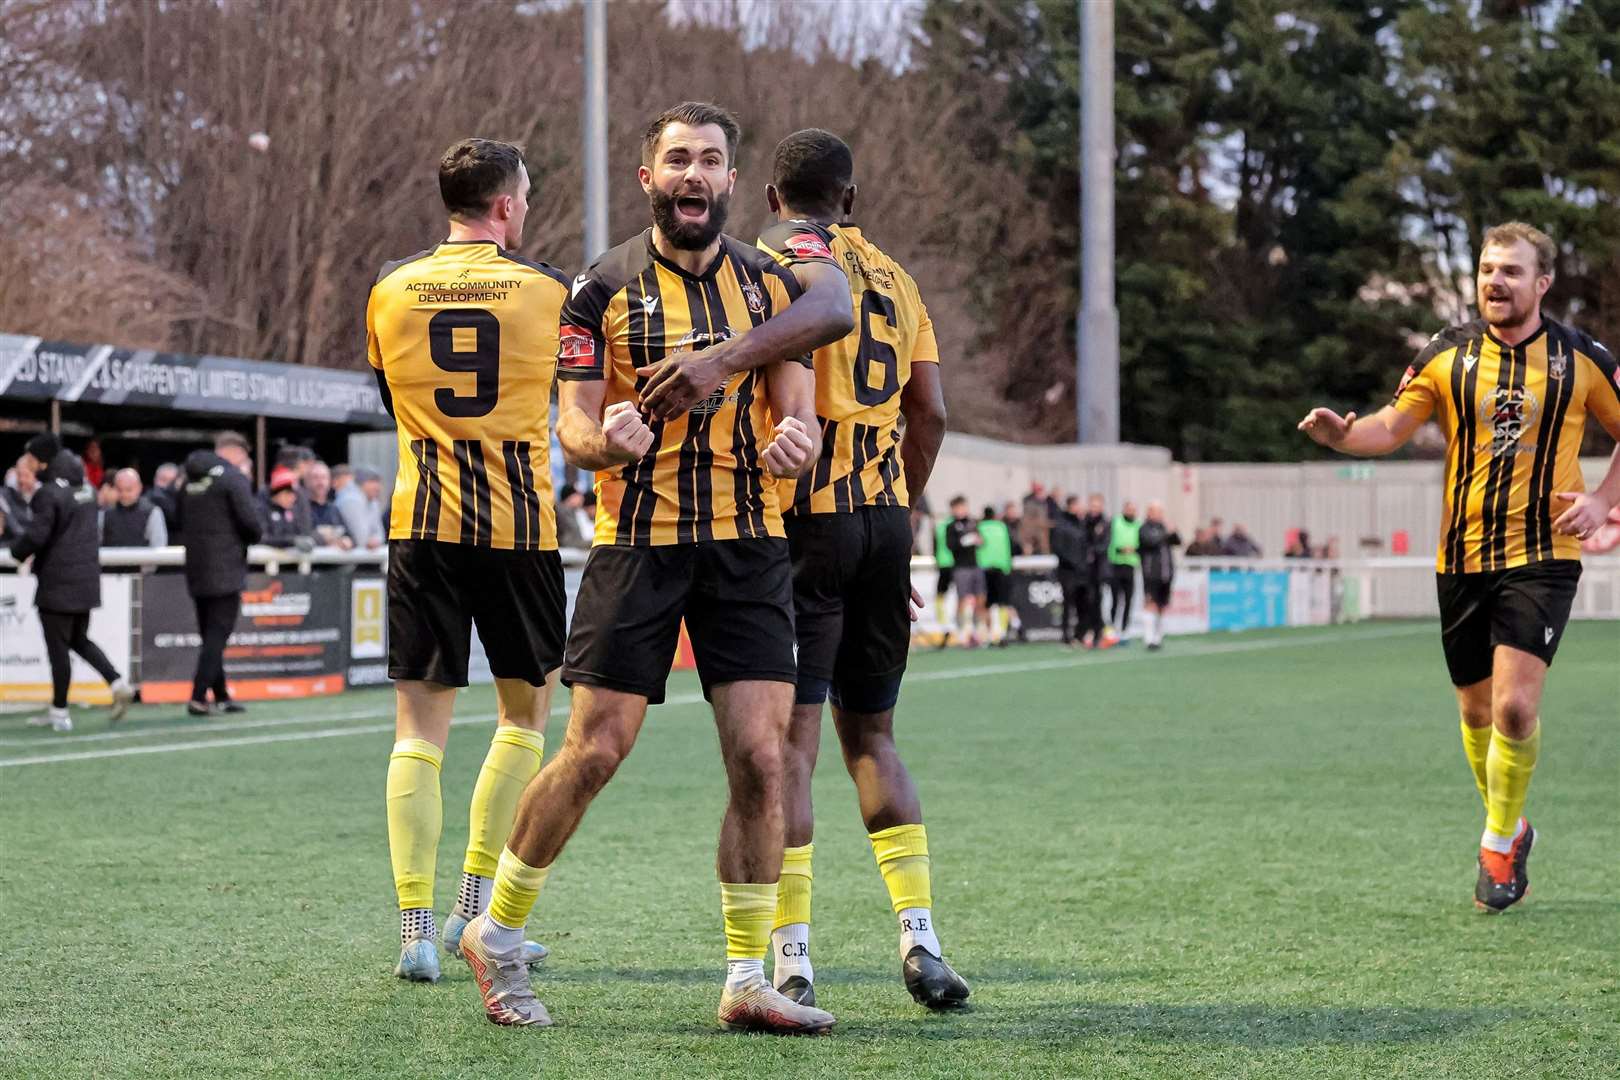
[
  {"x": 1517, "y": 314},
  {"x": 689, "y": 235}
]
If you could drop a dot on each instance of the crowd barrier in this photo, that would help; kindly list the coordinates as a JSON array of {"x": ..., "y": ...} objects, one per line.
[{"x": 316, "y": 622}]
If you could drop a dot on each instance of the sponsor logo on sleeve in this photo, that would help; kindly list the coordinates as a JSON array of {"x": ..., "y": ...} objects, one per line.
[
  {"x": 809, "y": 246},
  {"x": 576, "y": 347}
]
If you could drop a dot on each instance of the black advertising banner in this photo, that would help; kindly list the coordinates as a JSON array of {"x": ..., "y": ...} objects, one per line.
[
  {"x": 1038, "y": 599},
  {"x": 291, "y": 640},
  {"x": 32, "y": 369}
]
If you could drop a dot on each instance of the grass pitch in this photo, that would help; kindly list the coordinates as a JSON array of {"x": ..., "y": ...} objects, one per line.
[{"x": 1246, "y": 856}]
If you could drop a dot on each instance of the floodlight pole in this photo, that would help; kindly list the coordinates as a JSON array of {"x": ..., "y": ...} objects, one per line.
[
  {"x": 1097, "y": 324},
  {"x": 595, "y": 129}
]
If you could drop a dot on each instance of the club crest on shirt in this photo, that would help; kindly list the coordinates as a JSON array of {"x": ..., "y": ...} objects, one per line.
[
  {"x": 1510, "y": 411},
  {"x": 1557, "y": 364},
  {"x": 755, "y": 297}
]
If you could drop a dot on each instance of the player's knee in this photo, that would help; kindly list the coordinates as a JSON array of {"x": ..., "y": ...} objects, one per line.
[
  {"x": 758, "y": 767},
  {"x": 597, "y": 759},
  {"x": 1516, "y": 714},
  {"x": 1476, "y": 714}
]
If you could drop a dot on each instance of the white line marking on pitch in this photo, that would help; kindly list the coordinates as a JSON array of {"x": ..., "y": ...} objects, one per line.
[{"x": 1078, "y": 663}]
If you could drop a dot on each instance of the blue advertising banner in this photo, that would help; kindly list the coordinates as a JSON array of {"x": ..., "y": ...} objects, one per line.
[{"x": 1240, "y": 600}]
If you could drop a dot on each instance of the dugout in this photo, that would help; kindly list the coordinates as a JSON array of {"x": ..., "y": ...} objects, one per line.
[{"x": 146, "y": 407}]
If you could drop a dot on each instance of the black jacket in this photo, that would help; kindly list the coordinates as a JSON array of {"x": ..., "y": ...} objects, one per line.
[
  {"x": 18, "y": 513},
  {"x": 281, "y": 528},
  {"x": 1154, "y": 544},
  {"x": 217, "y": 523},
  {"x": 64, "y": 538}
]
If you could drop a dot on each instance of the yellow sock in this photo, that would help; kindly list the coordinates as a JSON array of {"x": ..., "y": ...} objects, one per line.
[
  {"x": 513, "y": 760},
  {"x": 1508, "y": 767},
  {"x": 793, "y": 891},
  {"x": 747, "y": 910},
  {"x": 415, "y": 816},
  {"x": 902, "y": 858},
  {"x": 517, "y": 887},
  {"x": 1476, "y": 744}
]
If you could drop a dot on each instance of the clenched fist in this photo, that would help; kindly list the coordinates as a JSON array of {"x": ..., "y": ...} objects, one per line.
[
  {"x": 626, "y": 435},
  {"x": 789, "y": 453}
]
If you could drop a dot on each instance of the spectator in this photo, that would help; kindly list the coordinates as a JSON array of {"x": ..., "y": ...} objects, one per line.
[
  {"x": 1156, "y": 547},
  {"x": 1299, "y": 545},
  {"x": 1203, "y": 544},
  {"x": 1012, "y": 516},
  {"x": 93, "y": 471},
  {"x": 218, "y": 522},
  {"x": 360, "y": 503},
  {"x": 1124, "y": 545},
  {"x": 323, "y": 511},
  {"x": 165, "y": 495},
  {"x": 132, "y": 520},
  {"x": 1215, "y": 537},
  {"x": 1095, "y": 533},
  {"x": 106, "y": 494},
  {"x": 342, "y": 477},
  {"x": 1330, "y": 550},
  {"x": 1035, "y": 526},
  {"x": 574, "y": 529},
  {"x": 1073, "y": 557},
  {"x": 1239, "y": 546},
  {"x": 63, "y": 542},
  {"x": 964, "y": 540},
  {"x": 995, "y": 559},
  {"x": 16, "y": 499},
  {"x": 279, "y": 523},
  {"x": 297, "y": 460}
]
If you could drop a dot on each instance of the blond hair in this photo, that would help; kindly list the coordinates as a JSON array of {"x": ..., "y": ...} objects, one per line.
[{"x": 1510, "y": 231}]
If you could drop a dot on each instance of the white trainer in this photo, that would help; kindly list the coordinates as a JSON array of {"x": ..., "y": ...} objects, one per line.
[{"x": 759, "y": 1006}]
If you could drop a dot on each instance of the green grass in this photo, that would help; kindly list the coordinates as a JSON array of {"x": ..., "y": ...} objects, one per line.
[{"x": 1248, "y": 856}]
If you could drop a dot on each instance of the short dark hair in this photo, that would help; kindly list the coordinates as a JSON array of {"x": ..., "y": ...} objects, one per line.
[
  {"x": 474, "y": 171},
  {"x": 812, "y": 169},
  {"x": 692, "y": 114},
  {"x": 960, "y": 500},
  {"x": 230, "y": 438}
]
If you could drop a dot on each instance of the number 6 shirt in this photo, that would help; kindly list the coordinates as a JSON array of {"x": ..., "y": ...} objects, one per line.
[
  {"x": 858, "y": 378},
  {"x": 465, "y": 335}
]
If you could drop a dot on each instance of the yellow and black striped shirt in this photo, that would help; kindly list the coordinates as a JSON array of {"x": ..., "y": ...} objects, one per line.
[
  {"x": 1514, "y": 417},
  {"x": 703, "y": 478},
  {"x": 466, "y": 335},
  {"x": 858, "y": 378}
]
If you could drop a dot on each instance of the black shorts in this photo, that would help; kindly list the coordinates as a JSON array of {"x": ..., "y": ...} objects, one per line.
[
  {"x": 942, "y": 584},
  {"x": 437, "y": 592},
  {"x": 852, "y": 597},
  {"x": 1526, "y": 607},
  {"x": 736, "y": 597},
  {"x": 1157, "y": 591},
  {"x": 997, "y": 588}
]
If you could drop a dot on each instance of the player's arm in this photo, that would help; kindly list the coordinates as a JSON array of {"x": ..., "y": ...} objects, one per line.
[
  {"x": 1589, "y": 511},
  {"x": 821, "y": 313},
  {"x": 790, "y": 387},
  {"x": 374, "y": 354},
  {"x": 1384, "y": 432},
  {"x": 593, "y": 438},
  {"x": 922, "y": 403}
]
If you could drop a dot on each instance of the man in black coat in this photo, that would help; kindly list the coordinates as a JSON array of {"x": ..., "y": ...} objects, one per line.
[
  {"x": 217, "y": 523},
  {"x": 1096, "y": 529},
  {"x": 64, "y": 540},
  {"x": 1073, "y": 556}
]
